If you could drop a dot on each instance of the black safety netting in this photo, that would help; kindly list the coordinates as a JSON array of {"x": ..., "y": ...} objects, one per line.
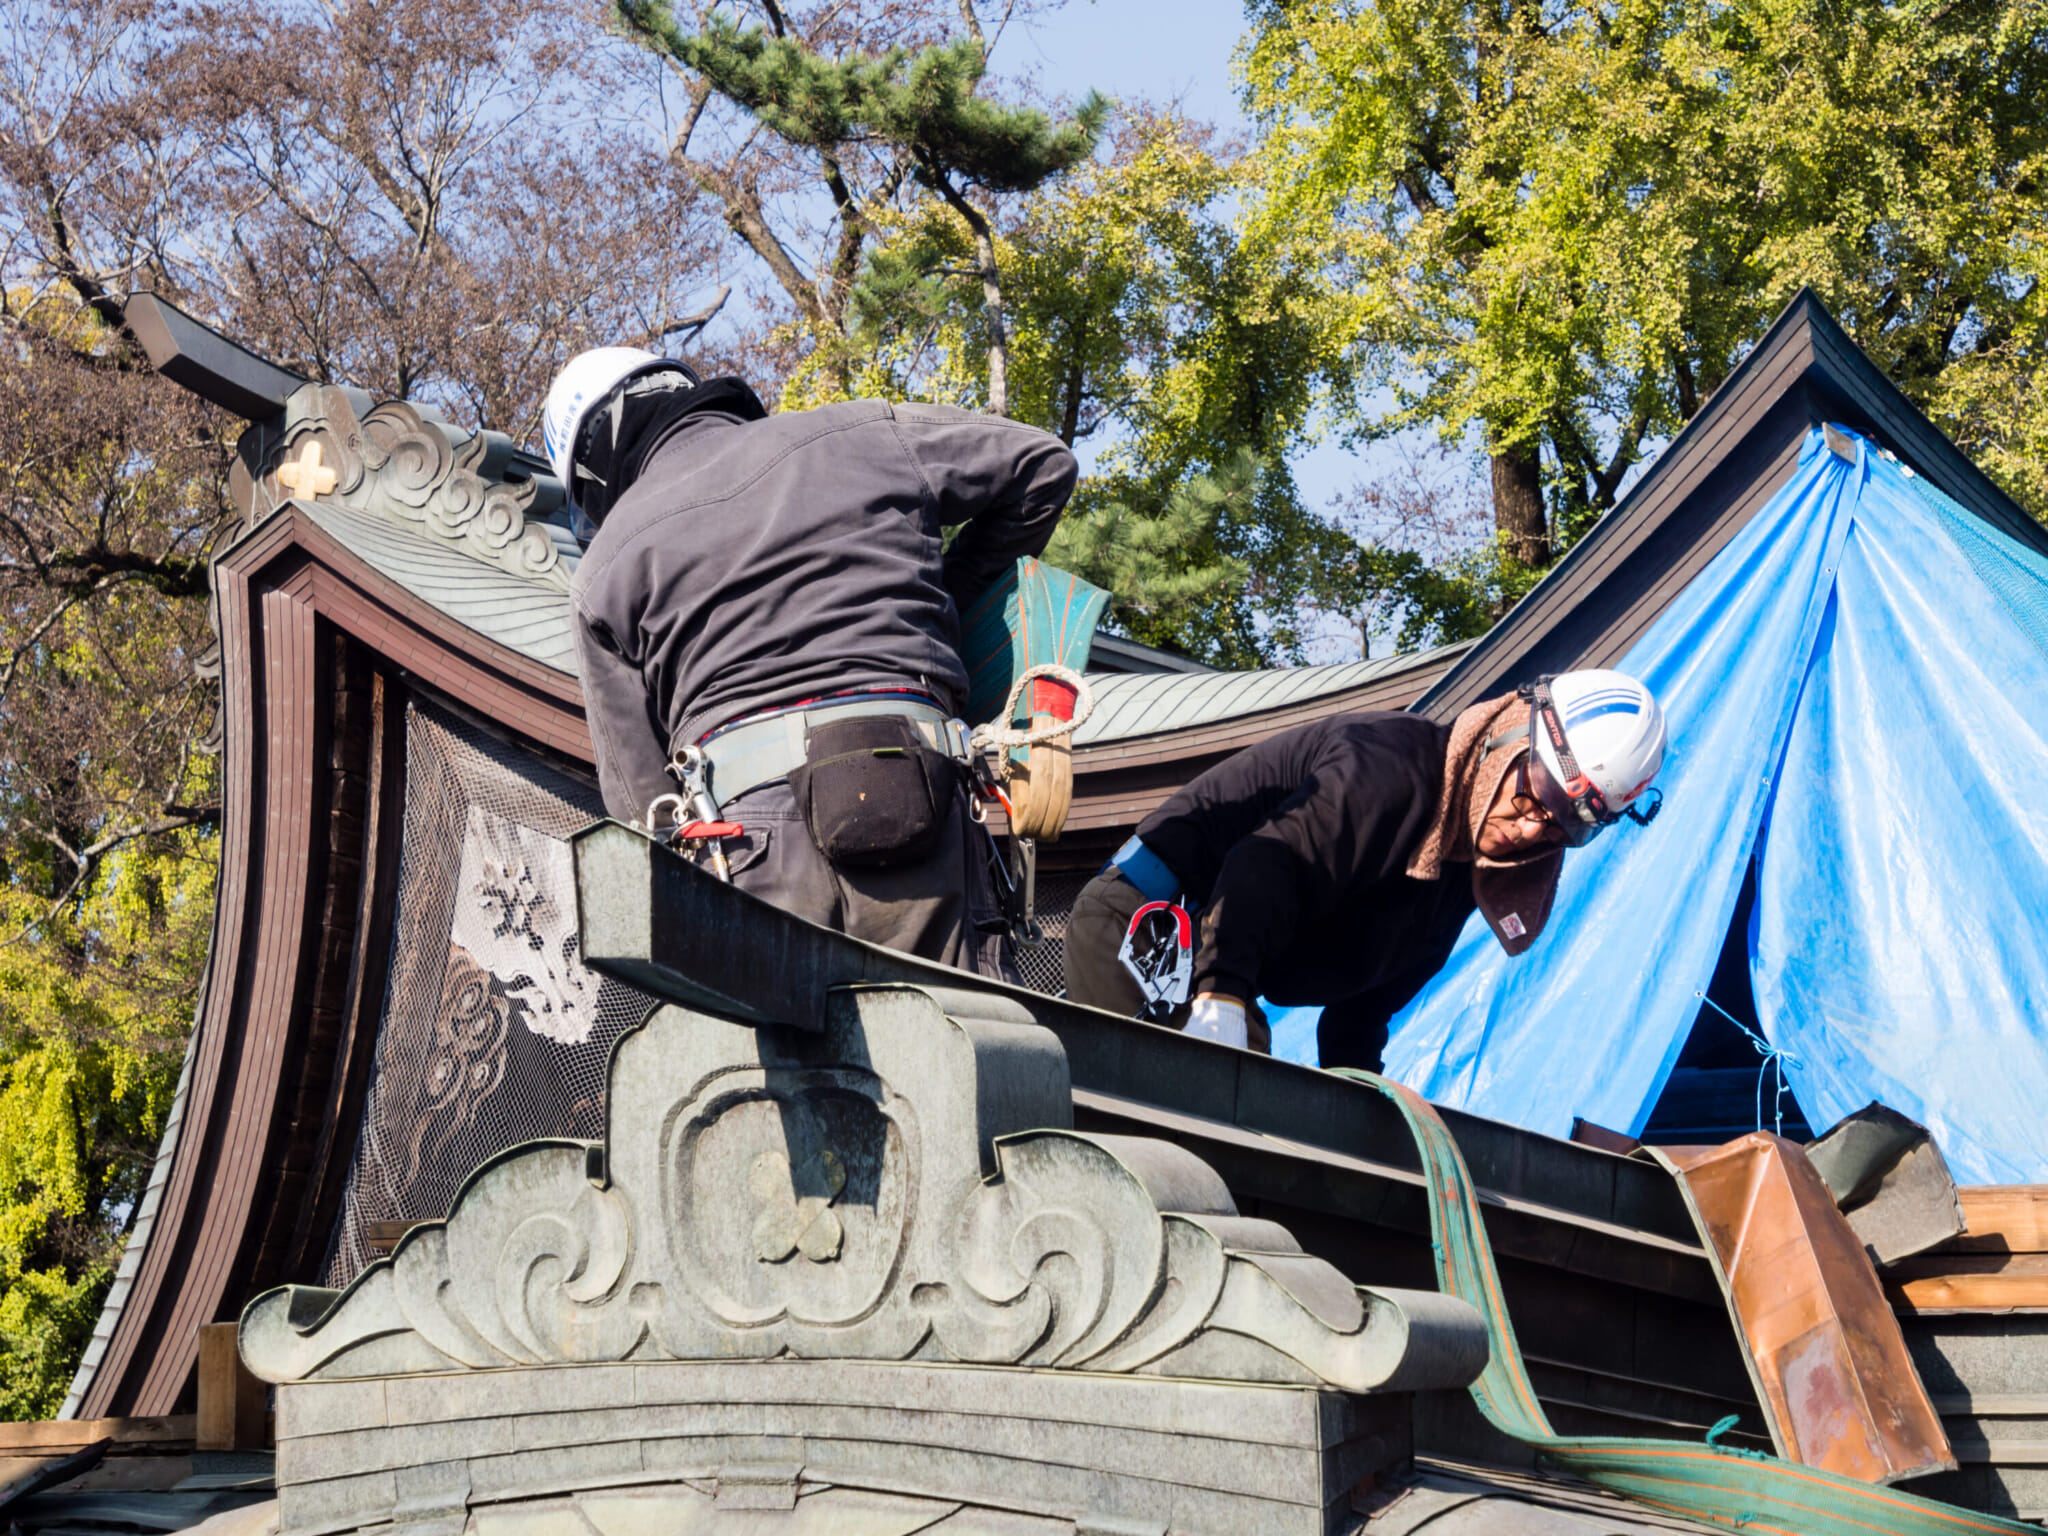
[
  {"x": 1042, "y": 964},
  {"x": 493, "y": 1031}
]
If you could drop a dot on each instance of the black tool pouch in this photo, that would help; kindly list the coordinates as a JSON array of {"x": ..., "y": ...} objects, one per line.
[{"x": 872, "y": 792}]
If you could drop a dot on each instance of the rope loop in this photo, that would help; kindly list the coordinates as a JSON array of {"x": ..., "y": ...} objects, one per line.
[
  {"x": 1775, "y": 1059},
  {"x": 1000, "y": 735}
]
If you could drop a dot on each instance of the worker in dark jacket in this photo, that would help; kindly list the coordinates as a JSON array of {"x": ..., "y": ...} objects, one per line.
[
  {"x": 1336, "y": 864},
  {"x": 767, "y": 610}
]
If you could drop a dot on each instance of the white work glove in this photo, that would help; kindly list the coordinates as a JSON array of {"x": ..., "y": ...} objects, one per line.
[{"x": 1218, "y": 1018}]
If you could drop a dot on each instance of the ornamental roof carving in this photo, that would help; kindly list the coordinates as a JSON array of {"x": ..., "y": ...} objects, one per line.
[
  {"x": 409, "y": 466},
  {"x": 902, "y": 1183}
]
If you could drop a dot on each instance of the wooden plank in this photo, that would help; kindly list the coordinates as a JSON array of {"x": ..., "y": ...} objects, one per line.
[
  {"x": 2002, "y": 1218},
  {"x": 380, "y": 1237},
  {"x": 1969, "y": 1282},
  {"x": 38, "y": 1476},
  {"x": 69, "y": 1434},
  {"x": 1991, "y": 1405},
  {"x": 232, "y": 1402},
  {"x": 216, "y": 1416},
  {"x": 2003, "y": 1453}
]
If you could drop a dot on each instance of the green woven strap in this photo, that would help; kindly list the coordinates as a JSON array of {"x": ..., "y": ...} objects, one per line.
[{"x": 1742, "y": 1490}]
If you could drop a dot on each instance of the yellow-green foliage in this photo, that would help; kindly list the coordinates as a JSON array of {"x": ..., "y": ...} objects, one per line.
[
  {"x": 1564, "y": 222},
  {"x": 94, "y": 1006},
  {"x": 106, "y": 840},
  {"x": 1136, "y": 313}
]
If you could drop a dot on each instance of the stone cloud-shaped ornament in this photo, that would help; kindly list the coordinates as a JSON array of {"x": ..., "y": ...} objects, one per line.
[
  {"x": 904, "y": 1186},
  {"x": 407, "y": 465}
]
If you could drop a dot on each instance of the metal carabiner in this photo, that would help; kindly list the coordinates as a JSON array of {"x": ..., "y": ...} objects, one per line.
[
  {"x": 677, "y": 817},
  {"x": 691, "y": 766}
]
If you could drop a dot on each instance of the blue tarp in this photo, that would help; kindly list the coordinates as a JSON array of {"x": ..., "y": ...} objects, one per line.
[{"x": 1857, "y": 688}]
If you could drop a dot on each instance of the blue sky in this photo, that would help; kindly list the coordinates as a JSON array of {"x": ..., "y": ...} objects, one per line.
[{"x": 1164, "y": 52}]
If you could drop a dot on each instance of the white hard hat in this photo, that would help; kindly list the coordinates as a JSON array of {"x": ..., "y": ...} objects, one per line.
[
  {"x": 1599, "y": 740},
  {"x": 586, "y": 379}
]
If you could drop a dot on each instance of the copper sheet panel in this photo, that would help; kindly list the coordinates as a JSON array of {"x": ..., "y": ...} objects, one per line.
[{"x": 1830, "y": 1363}]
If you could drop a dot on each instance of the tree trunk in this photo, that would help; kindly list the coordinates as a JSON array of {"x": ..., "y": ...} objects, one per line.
[
  {"x": 991, "y": 298},
  {"x": 1518, "y": 504},
  {"x": 1070, "y": 417}
]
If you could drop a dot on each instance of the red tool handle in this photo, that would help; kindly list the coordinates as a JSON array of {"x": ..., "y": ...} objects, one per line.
[{"x": 691, "y": 831}]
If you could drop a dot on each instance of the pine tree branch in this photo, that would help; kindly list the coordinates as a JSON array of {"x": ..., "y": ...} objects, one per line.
[
  {"x": 699, "y": 90},
  {"x": 853, "y": 224},
  {"x": 973, "y": 24}
]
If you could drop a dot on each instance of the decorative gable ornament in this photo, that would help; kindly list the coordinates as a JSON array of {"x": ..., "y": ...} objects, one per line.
[
  {"x": 409, "y": 466},
  {"x": 902, "y": 1182}
]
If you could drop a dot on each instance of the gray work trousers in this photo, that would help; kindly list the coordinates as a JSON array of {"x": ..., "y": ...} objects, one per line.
[
  {"x": 1095, "y": 974},
  {"x": 942, "y": 908}
]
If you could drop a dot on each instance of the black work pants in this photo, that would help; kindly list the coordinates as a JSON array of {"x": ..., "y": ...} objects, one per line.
[
  {"x": 943, "y": 908},
  {"x": 1096, "y": 976}
]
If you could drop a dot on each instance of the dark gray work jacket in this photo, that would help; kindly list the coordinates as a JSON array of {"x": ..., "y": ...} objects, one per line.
[{"x": 754, "y": 564}]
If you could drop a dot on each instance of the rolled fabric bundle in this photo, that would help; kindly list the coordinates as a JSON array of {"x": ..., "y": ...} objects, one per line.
[{"x": 1041, "y": 788}]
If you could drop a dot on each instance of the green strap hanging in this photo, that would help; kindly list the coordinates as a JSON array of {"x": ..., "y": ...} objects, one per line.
[{"x": 1750, "y": 1491}]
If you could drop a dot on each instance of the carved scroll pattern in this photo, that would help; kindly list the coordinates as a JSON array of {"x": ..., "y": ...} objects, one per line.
[
  {"x": 807, "y": 1209},
  {"x": 468, "y": 1062},
  {"x": 405, "y": 463}
]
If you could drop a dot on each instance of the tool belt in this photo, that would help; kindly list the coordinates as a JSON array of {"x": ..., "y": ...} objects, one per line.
[{"x": 874, "y": 778}]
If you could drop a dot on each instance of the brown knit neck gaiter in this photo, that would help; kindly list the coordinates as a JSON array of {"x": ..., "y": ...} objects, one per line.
[
  {"x": 1472, "y": 777},
  {"x": 1513, "y": 895}
]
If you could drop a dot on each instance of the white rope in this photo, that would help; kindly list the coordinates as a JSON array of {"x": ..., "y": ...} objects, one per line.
[
  {"x": 1003, "y": 736},
  {"x": 1775, "y": 1058}
]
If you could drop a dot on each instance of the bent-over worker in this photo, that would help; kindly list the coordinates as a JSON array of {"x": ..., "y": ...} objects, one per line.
[
  {"x": 1335, "y": 864},
  {"x": 768, "y": 602}
]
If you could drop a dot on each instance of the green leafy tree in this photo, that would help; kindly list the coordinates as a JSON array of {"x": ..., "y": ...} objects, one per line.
[
  {"x": 922, "y": 106},
  {"x": 1138, "y": 318},
  {"x": 93, "y": 1015},
  {"x": 108, "y": 807},
  {"x": 1561, "y": 224},
  {"x": 1425, "y": 568}
]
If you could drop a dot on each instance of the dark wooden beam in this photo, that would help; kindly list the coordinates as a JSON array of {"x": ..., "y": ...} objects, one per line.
[
  {"x": 278, "y": 1067},
  {"x": 187, "y": 352}
]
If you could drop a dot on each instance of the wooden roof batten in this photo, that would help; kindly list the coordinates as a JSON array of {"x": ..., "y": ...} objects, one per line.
[{"x": 1720, "y": 470}]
